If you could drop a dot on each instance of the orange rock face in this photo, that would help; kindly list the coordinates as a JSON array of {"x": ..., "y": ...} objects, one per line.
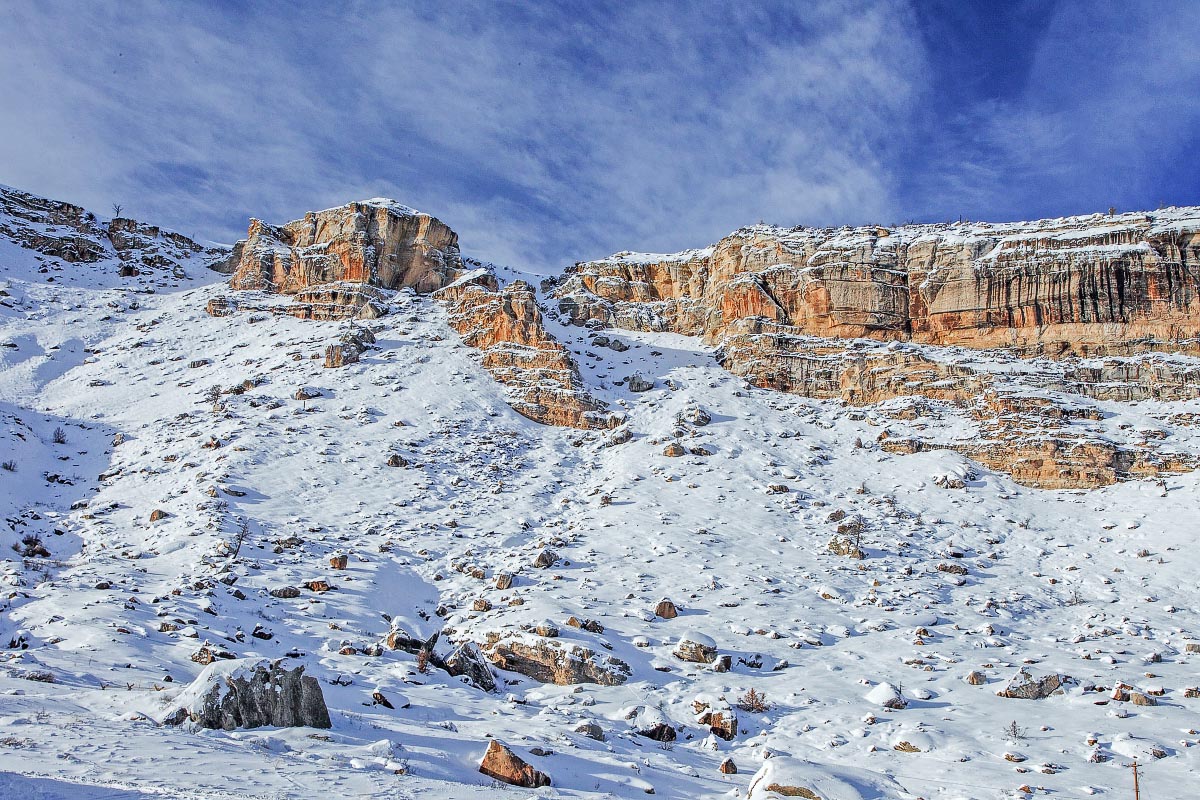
[
  {"x": 541, "y": 377},
  {"x": 375, "y": 242},
  {"x": 504, "y": 765},
  {"x": 1095, "y": 285},
  {"x": 795, "y": 309},
  {"x": 340, "y": 263}
]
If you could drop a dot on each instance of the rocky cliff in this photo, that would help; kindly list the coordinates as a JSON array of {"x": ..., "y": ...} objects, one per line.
[
  {"x": 796, "y": 310},
  {"x": 344, "y": 262},
  {"x": 70, "y": 233},
  {"x": 1090, "y": 285},
  {"x": 331, "y": 261}
]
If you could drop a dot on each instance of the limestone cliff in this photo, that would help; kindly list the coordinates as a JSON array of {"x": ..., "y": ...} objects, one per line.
[
  {"x": 330, "y": 259},
  {"x": 541, "y": 377},
  {"x": 1090, "y": 285},
  {"x": 343, "y": 262},
  {"x": 75, "y": 235},
  {"x": 796, "y": 310}
]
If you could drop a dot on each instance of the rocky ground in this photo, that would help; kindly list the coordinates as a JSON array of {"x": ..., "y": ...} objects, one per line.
[{"x": 699, "y": 587}]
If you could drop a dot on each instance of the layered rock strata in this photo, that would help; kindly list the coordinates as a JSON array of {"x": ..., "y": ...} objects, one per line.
[
  {"x": 343, "y": 262},
  {"x": 795, "y": 310},
  {"x": 1095, "y": 285},
  {"x": 541, "y": 377},
  {"x": 334, "y": 262}
]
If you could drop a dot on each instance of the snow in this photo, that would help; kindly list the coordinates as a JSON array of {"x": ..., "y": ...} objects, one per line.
[{"x": 99, "y": 356}]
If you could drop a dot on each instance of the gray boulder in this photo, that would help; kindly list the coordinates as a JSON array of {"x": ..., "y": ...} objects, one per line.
[{"x": 250, "y": 693}]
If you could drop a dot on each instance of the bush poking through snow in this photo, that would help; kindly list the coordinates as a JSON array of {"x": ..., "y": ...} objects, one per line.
[{"x": 754, "y": 701}]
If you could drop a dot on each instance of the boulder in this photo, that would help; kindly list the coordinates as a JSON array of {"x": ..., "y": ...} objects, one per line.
[
  {"x": 466, "y": 661},
  {"x": 558, "y": 662},
  {"x": 666, "y": 609},
  {"x": 504, "y": 765},
  {"x": 250, "y": 693},
  {"x": 592, "y": 730},
  {"x": 696, "y": 647},
  {"x": 1023, "y": 686},
  {"x": 794, "y": 777},
  {"x": 674, "y": 450},
  {"x": 637, "y": 383},
  {"x": 728, "y": 767},
  {"x": 717, "y": 714},
  {"x": 888, "y": 696}
]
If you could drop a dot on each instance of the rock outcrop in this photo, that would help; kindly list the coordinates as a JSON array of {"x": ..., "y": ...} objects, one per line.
[
  {"x": 1096, "y": 285},
  {"x": 374, "y": 242},
  {"x": 562, "y": 663},
  {"x": 251, "y": 693},
  {"x": 541, "y": 377},
  {"x": 795, "y": 310},
  {"x": 77, "y": 236},
  {"x": 502, "y": 764}
]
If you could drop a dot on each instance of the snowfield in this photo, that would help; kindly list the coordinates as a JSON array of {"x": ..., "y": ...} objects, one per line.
[{"x": 864, "y": 663}]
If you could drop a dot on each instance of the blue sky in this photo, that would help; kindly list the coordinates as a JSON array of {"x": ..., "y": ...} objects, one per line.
[{"x": 546, "y": 133}]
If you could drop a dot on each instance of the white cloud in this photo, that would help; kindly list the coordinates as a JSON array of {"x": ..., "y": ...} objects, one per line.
[{"x": 541, "y": 134}]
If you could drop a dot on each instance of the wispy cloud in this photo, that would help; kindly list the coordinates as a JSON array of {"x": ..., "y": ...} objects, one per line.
[{"x": 554, "y": 131}]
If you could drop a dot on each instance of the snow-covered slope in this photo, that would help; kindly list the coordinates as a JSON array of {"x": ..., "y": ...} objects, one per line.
[{"x": 988, "y": 578}]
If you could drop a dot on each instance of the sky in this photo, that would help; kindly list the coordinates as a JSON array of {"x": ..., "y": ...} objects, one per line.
[{"x": 548, "y": 133}]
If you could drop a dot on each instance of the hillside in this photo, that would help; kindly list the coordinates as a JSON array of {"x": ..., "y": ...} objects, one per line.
[{"x": 877, "y": 527}]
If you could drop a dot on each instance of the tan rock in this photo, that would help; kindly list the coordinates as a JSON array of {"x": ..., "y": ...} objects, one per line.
[
  {"x": 541, "y": 377},
  {"x": 504, "y": 765},
  {"x": 553, "y": 661}
]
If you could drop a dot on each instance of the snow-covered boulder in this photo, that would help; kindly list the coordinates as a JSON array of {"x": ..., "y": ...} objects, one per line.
[
  {"x": 793, "y": 777},
  {"x": 250, "y": 693},
  {"x": 1023, "y": 686},
  {"x": 696, "y": 647},
  {"x": 886, "y": 695}
]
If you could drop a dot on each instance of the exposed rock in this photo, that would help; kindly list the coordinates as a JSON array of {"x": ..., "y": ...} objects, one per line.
[
  {"x": 637, "y": 383},
  {"x": 659, "y": 732},
  {"x": 466, "y": 660},
  {"x": 251, "y": 693},
  {"x": 793, "y": 777},
  {"x": 339, "y": 560},
  {"x": 158, "y": 514},
  {"x": 545, "y": 558},
  {"x": 501, "y": 763},
  {"x": 541, "y": 377},
  {"x": 976, "y": 678},
  {"x": 504, "y": 581},
  {"x": 591, "y": 730},
  {"x": 728, "y": 767},
  {"x": 886, "y": 695},
  {"x": 674, "y": 450},
  {"x": 545, "y": 629},
  {"x": 374, "y": 242},
  {"x": 350, "y": 346},
  {"x": 219, "y": 307},
  {"x": 1023, "y": 686},
  {"x": 558, "y": 662},
  {"x": 75, "y": 235},
  {"x": 783, "y": 306},
  {"x": 845, "y": 546},
  {"x": 717, "y": 714},
  {"x": 1080, "y": 284},
  {"x": 285, "y": 592},
  {"x": 397, "y": 460},
  {"x": 590, "y": 625},
  {"x": 697, "y": 648},
  {"x": 621, "y": 435},
  {"x": 666, "y": 609}
]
